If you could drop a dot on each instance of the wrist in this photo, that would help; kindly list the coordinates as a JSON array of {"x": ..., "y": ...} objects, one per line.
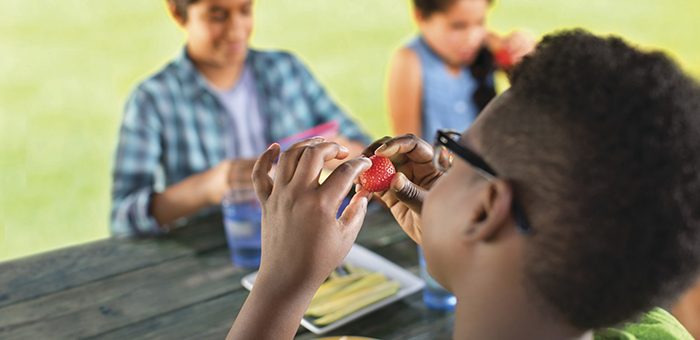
[
  {"x": 209, "y": 188},
  {"x": 279, "y": 281},
  {"x": 277, "y": 302}
]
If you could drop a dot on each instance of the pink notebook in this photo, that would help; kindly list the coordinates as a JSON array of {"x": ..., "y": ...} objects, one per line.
[{"x": 328, "y": 130}]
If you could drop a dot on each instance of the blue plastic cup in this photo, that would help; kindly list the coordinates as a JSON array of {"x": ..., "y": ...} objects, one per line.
[
  {"x": 434, "y": 295},
  {"x": 242, "y": 214}
]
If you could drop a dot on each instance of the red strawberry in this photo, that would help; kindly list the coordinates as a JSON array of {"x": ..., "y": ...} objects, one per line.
[
  {"x": 378, "y": 177},
  {"x": 503, "y": 58}
]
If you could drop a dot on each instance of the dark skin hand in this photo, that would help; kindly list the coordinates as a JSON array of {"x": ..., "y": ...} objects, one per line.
[
  {"x": 302, "y": 241},
  {"x": 415, "y": 175}
]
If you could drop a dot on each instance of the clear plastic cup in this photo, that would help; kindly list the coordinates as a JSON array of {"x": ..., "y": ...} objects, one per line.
[
  {"x": 242, "y": 213},
  {"x": 434, "y": 295}
]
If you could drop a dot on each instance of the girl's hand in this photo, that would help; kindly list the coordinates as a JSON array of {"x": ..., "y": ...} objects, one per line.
[
  {"x": 510, "y": 50},
  {"x": 519, "y": 44}
]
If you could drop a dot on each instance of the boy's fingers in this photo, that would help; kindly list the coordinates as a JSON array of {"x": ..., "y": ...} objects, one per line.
[
  {"x": 290, "y": 158},
  {"x": 262, "y": 183},
  {"x": 408, "y": 193},
  {"x": 241, "y": 172},
  {"x": 406, "y": 146},
  {"x": 339, "y": 182},
  {"x": 354, "y": 213},
  {"x": 369, "y": 150},
  {"x": 312, "y": 159}
]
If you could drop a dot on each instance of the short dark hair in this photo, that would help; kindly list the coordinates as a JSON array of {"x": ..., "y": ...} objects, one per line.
[
  {"x": 428, "y": 7},
  {"x": 181, "y": 6},
  {"x": 602, "y": 144}
]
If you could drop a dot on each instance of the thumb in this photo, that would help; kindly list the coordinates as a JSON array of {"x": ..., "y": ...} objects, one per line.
[
  {"x": 408, "y": 193},
  {"x": 355, "y": 212}
]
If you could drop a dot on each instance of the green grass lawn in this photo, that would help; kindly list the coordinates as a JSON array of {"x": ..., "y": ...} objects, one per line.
[{"x": 66, "y": 68}]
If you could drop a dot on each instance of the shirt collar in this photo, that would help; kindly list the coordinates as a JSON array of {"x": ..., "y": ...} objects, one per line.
[{"x": 194, "y": 83}]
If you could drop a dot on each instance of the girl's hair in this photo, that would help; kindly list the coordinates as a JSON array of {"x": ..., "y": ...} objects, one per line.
[
  {"x": 181, "y": 6},
  {"x": 428, "y": 7},
  {"x": 481, "y": 69}
]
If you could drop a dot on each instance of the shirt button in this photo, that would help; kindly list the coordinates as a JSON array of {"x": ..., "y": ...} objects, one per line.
[{"x": 460, "y": 107}]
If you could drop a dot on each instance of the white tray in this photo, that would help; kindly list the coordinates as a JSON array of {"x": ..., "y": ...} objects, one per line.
[{"x": 367, "y": 259}]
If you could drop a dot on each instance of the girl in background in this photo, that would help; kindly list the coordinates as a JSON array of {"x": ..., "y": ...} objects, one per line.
[{"x": 444, "y": 77}]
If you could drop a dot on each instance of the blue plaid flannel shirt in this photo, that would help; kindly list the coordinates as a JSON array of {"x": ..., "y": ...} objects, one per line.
[{"x": 174, "y": 127}]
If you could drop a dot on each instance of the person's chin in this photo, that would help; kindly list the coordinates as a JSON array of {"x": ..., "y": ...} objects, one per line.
[
  {"x": 232, "y": 59},
  {"x": 234, "y": 49},
  {"x": 467, "y": 59}
]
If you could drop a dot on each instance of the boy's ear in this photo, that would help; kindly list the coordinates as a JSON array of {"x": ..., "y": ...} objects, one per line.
[
  {"x": 172, "y": 8},
  {"x": 418, "y": 16},
  {"x": 491, "y": 213}
]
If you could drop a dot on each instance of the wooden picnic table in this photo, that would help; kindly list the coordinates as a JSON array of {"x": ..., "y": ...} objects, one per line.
[{"x": 179, "y": 286}]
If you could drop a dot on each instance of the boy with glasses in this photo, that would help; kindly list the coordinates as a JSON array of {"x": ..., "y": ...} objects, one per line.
[{"x": 569, "y": 211}]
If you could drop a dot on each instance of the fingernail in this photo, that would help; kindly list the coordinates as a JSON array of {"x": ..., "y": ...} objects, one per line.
[
  {"x": 381, "y": 148},
  {"x": 400, "y": 182},
  {"x": 272, "y": 145},
  {"x": 344, "y": 149},
  {"x": 387, "y": 150},
  {"x": 358, "y": 188},
  {"x": 320, "y": 138}
]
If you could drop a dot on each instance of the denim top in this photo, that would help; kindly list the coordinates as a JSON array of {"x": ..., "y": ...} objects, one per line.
[{"x": 446, "y": 97}]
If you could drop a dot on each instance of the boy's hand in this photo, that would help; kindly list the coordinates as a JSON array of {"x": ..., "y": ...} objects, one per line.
[
  {"x": 302, "y": 242},
  {"x": 240, "y": 173},
  {"x": 415, "y": 175},
  {"x": 228, "y": 174}
]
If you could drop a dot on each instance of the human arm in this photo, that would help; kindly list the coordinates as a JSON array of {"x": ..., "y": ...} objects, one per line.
[
  {"x": 404, "y": 97},
  {"x": 302, "y": 242},
  {"x": 415, "y": 175},
  {"x": 516, "y": 46},
  {"x": 137, "y": 160},
  {"x": 201, "y": 190},
  {"x": 137, "y": 209}
]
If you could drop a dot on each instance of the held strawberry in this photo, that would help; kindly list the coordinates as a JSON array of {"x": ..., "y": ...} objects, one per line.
[
  {"x": 378, "y": 176},
  {"x": 503, "y": 58}
]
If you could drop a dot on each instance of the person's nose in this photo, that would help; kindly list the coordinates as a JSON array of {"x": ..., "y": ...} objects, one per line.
[
  {"x": 236, "y": 28},
  {"x": 475, "y": 36}
]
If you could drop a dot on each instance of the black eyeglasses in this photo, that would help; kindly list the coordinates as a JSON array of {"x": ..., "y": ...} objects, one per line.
[{"x": 446, "y": 146}]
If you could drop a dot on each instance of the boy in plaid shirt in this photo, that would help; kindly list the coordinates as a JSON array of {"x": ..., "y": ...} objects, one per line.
[{"x": 193, "y": 130}]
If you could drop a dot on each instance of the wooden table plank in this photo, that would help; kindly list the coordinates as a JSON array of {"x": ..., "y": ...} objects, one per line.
[
  {"x": 37, "y": 276},
  {"x": 169, "y": 290},
  {"x": 201, "y": 235},
  {"x": 105, "y": 305},
  {"x": 212, "y": 319},
  {"x": 43, "y": 274}
]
